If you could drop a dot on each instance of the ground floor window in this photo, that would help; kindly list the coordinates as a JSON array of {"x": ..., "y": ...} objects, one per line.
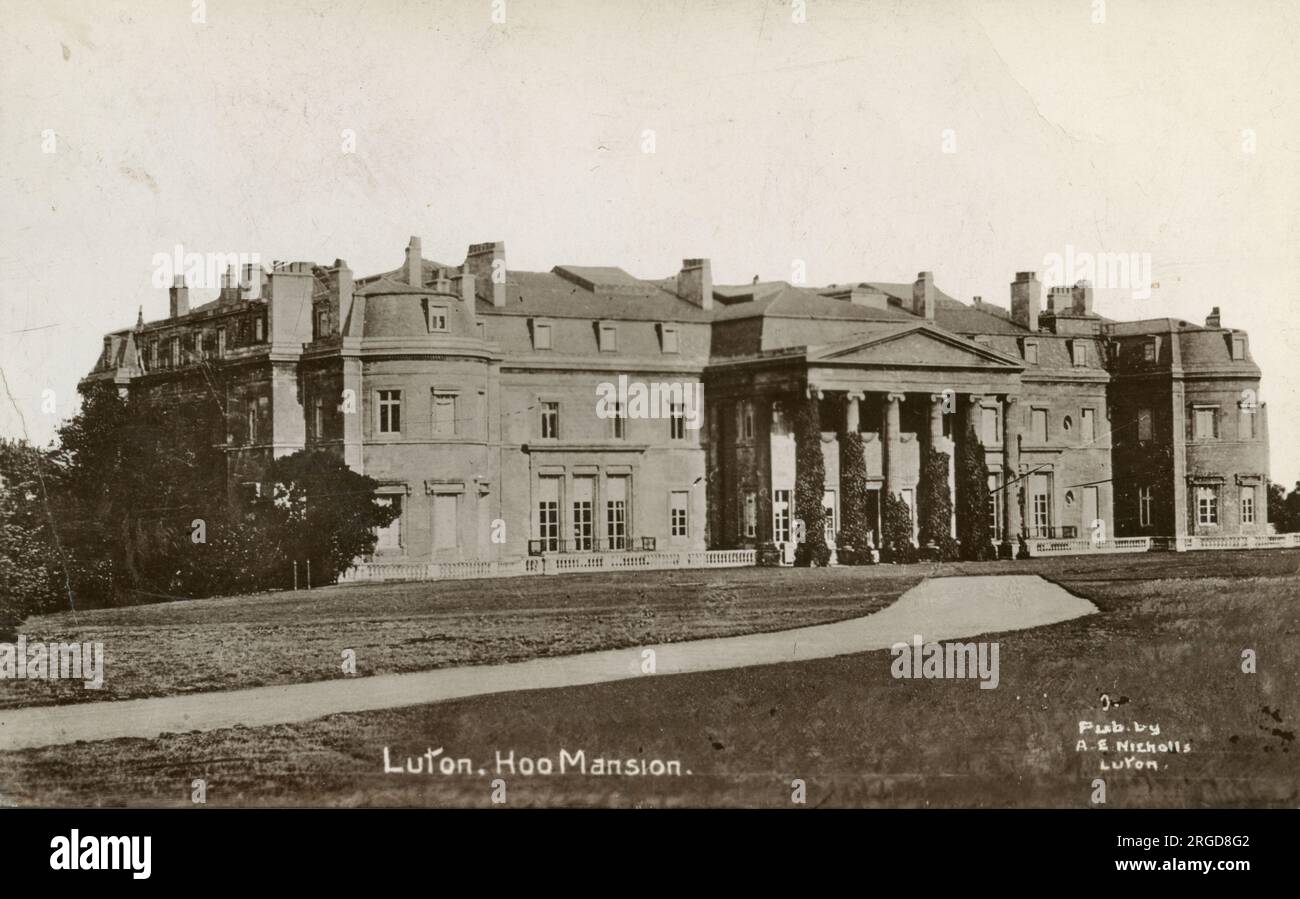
[
  {"x": 829, "y": 521},
  {"x": 1144, "y": 507},
  {"x": 446, "y": 535},
  {"x": 390, "y": 536},
  {"x": 781, "y": 516},
  {"x": 1207, "y": 506},
  {"x": 1040, "y": 505},
  {"x": 678, "y": 502},
  {"x": 751, "y": 514},
  {"x": 995, "y": 505},
  {"x": 548, "y": 514},
  {"x": 1247, "y": 505},
  {"x": 616, "y": 513},
  {"x": 584, "y": 490}
]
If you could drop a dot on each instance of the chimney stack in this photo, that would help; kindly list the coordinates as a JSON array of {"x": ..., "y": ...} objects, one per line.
[
  {"x": 1058, "y": 300},
  {"x": 340, "y": 296},
  {"x": 487, "y": 263},
  {"x": 923, "y": 296},
  {"x": 180, "y": 297},
  {"x": 1212, "y": 320},
  {"x": 1082, "y": 295},
  {"x": 414, "y": 263},
  {"x": 250, "y": 283},
  {"x": 1026, "y": 300},
  {"x": 229, "y": 286},
  {"x": 695, "y": 283},
  {"x": 464, "y": 286}
]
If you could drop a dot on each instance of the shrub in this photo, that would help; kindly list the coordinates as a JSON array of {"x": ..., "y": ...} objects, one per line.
[
  {"x": 934, "y": 506},
  {"x": 973, "y": 531},
  {"x": 853, "y": 540},
  {"x": 896, "y": 523},
  {"x": 810, "y": 485}
]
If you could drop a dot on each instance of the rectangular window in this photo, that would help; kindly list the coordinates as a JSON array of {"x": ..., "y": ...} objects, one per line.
[
  {"x": 1246, "y": 422},
  {"x": 259, "y": 329},
  {"x": 584, "y": 498},
  {"x": 390, "y": 536},
  {"x": 198, "y": 345},
  {"x": 318, "y": 418},
  {"x": 437, "y": 318},
  {"x": 221, "y": 343},
  {"x": 751, "y": 514},
  {"x": 618, "y": 422},
  {"x": 1149, "y": 351},
  {"x": 322, "y": 322},
  {"x": 990, "y": 433},
  {"x": 677, "y": 422},
  {"x": 677, "y": 524},
  {"x": 548, "y": 513},
  {"x": 446, "y": 509},
  {"x": 444, "y": 414},
  {"x": 995, "y": 505},
  {"x": 1205, "y": 422},
  {"x": 1040, "y": 505},
  {"x": 250, "y": 415},
  {"x": 1038, "y": 426},
  {"x": 1238, "y": 348},
  {"x": 1207, "y": 506},
  {"x": 616, "y": 513},
  {"x": 550, "y": 421},
  {"x": 747, "y": 421},
  {"x": 177, "y": 361},
  {"x": 781, "y": 516},
  {"x": 1080, "y": 353},
  {"x": 1248, "y": 505},
  {"x": 830, "y": 522},
  {"x": 1031, "y": 352},
  {"x": 1144, "y": 507},
  {"x": 1144, "y": 423},
  {"x": 390, "y": 411},
  {"x": 608, "y": 339},
  {"x": 670, "y": 338},
  {"x": 541, "y": 336},
  {"x": 1088, "y": 426}
]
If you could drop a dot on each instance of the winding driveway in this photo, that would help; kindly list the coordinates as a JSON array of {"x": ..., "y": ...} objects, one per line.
[{"x": 940, "y": 609}]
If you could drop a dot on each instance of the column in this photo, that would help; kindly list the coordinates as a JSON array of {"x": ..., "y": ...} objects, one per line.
[
  {"x": 936, "y": 421},
  {"x": 891, "y": 444},
  {"x": 1011, "y": 488},
  {"x": 852, "y": 415}
]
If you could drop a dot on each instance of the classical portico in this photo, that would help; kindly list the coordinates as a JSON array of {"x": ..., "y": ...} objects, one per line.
[{"x": 904, "y": 391}]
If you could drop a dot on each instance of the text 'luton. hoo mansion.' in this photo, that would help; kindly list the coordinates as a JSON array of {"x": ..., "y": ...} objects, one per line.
[{"x": 509, "y": 413}]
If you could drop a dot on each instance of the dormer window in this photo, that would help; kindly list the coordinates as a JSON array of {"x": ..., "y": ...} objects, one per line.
[
  {"x": 668, "y": 338},
  {"x": 1080, "y": 351},
  {"x": 1031, "y": 352},
  {"x": 322, "y": 322},
  {"x": 259, "y": 329},
  {"x": 609, "y": 338},
  {"x": 541, "y": 335},
  {"x": 437, "y": 318},
  {"x": 1238, "y": 348},
  {"x": 1149, "y": 351}
]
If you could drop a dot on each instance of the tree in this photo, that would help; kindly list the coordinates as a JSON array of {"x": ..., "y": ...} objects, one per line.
[
  {"x": 31, "y": 572},
  {"x": 319, "y": 511},
  {"x": 854, "y": 539},
  {"x": 1284, "y": 509},
  {"x": 934, "y": 505},
  {"x": 973, "y": 532},
  {"x": 810, "y": 485}
]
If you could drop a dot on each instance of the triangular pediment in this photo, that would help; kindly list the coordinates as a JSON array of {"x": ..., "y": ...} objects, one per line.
[{"x": 920, "y": 345}]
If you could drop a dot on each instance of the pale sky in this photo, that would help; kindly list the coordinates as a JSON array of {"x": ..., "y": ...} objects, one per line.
[{"x": 1171, "y": 129}]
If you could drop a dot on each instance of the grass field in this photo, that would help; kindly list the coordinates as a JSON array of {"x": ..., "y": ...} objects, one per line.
[{"x": 1166, "y": 648}]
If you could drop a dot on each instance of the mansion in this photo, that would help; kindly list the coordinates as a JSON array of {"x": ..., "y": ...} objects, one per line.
[{"x": 511, "y": 413}]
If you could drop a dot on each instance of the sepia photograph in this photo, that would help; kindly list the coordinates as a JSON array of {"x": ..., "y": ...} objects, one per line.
[{"x": 618, "y": 405}]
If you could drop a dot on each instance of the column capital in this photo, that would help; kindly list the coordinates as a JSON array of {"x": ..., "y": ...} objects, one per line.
[
  {"x": 1010, "y": 399},
  {"x": 894, "y": 397},
  {"x": 812, "y": 390},
  {"x": 975, "y": 399}
]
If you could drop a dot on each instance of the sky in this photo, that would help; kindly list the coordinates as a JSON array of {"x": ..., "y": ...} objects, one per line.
[{"x": 838, "y": 140}]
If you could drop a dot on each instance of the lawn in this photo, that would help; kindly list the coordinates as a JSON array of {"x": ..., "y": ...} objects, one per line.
[
  {"x": 291, "y": 637},
  {"x": 1166, "y": 649}
]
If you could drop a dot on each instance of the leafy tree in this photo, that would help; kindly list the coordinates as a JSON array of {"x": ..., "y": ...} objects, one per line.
[
  {"x": 810, "y": 485},
  {"x": 319, "y": 511},
  {"x": 934, "y": 504},
  {"x": 1284, "y": 508},
  {"x": 31, "y": 572},
  {"x": 854, "y": 539},
  {"x": 973, "y": 531}
]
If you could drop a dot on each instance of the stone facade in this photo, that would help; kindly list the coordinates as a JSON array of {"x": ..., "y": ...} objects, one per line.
[{"x": 485, "y": 401}]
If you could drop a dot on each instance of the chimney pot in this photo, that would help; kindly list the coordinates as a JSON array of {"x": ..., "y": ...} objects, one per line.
[{"x": 1212, "y": 320}]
